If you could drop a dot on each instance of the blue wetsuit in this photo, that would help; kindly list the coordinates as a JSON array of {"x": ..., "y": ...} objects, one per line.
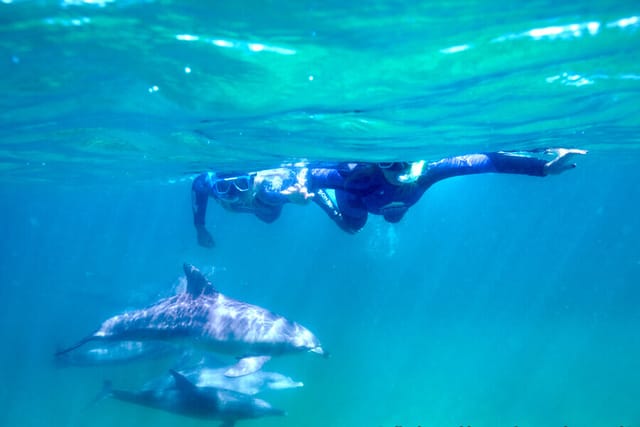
[{"x": 362, "y": 188}]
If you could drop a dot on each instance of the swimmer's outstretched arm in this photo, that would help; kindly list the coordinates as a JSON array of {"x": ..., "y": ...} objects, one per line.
[
  {"x": 316, "y": 184},
  {"x": 522, "y": 163},
  {"x": 313, "y": 182},
  {"x": 199, "y": 197}
]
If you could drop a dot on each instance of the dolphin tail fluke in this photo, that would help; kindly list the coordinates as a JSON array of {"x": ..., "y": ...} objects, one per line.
[
  {"x": 76, "y": 345},
  {"x": 104, "y": 393}
]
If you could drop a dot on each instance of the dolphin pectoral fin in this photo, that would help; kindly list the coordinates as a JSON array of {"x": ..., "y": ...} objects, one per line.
[{"x": 246, "y": 366}]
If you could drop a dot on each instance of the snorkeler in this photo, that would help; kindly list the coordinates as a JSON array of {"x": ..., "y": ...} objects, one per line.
[
  {"x": 390, "y": 189},
  {"x": 260, "y": 193},
  {"x": 349, "y": 192}
]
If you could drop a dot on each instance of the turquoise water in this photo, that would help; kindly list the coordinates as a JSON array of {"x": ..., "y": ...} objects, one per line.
[{"x": 498, "y": 300}]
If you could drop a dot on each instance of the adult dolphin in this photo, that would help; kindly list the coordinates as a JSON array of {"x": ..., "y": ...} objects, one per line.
[
  {"x": 185, "y": 398},
  {"x": 204, "y": 317}
]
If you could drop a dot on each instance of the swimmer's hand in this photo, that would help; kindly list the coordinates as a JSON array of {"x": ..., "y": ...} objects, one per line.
[
  {"x": 204, "y": 237},
  {"x": 298, "y": 192},
  {"x": 562, "y": 160}
]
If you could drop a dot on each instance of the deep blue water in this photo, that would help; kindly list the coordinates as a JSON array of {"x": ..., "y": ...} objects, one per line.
[{"x": 498, "y": 300}]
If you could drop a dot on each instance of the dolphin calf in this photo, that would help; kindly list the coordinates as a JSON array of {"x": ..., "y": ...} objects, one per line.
[
  {"x": 211, "y": 372},
  {"x": 185, "y": 398},
  {"x": 250, "y": 384},
  {"x": 206, "y": 318},
  {"x": 116, "y": 353}
]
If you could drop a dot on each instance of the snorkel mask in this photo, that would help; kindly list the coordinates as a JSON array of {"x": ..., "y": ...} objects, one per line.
[
  {"x": 224, "y": 185},
  {"x": 231, "y": 188}
]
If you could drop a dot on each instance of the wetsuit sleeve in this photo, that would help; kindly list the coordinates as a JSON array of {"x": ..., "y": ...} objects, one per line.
[
  {"x": 351, "y": 221},
  {"x": 498, "y": 162},
  {"x": 326, "y": 178},
  {"x": 199, "y": 197},
  {"x": 354, "y": 177}
]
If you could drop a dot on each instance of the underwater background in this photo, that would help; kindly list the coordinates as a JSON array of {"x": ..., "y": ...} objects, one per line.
[{"x": 498, "y": 300}]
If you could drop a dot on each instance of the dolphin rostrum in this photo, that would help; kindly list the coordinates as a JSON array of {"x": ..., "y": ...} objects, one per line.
[{"x": 206, "y": 318}]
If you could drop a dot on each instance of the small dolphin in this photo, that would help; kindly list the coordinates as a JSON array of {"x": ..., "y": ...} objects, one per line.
[
  {"x": 211, "y": 372},
  {"x": 116, "y": 353},
  {"x": 250, "y": 384},
  {"x": 206, "y": 371},
  {"x": 204, "y": 317},
  {"x": 185, "y": 398}
]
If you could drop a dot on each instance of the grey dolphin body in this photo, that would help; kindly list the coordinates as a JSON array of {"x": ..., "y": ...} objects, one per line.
[
  {"x": 206, "y": 318},
  {"x": 250, "y": 384},
  {"x": 185, "y": 398},
  {"x": 116, "y": 353},
  {"x": 206, "y": 371}
]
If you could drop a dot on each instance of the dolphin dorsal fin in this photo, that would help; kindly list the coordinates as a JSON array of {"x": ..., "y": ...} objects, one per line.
[
  {"x": 197, "y": 284},
  {"x": 182, "y": 382}
]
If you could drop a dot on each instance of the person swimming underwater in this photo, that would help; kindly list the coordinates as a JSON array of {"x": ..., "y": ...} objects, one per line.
[
  {"x": 390, "y": 189},
  {"x": 349, "y": 191}
]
